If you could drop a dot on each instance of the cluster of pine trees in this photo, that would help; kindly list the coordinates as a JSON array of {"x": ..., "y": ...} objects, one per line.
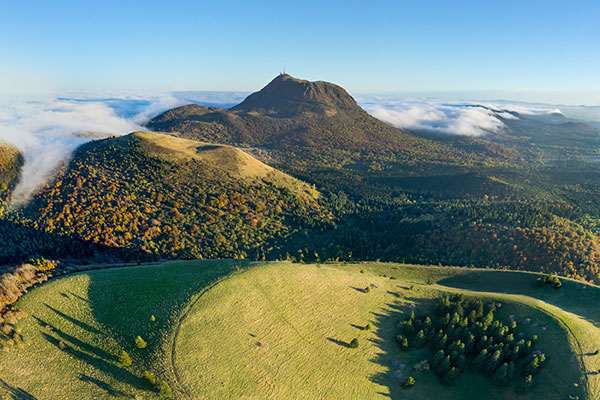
[{"x": 465, "y": 333}]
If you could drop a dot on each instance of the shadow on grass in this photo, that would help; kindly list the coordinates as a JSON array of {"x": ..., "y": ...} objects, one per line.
[
  {"x": 361, "y": 290},
  {"x": 71, "y": 295},
  {"x": 573, "y": 296},
  {"x": 103, "y": 385},
  {"x": 359, "y": 327},
  {"x": 123, "y": 300},
  {"x": 339, "y": 342},
  {"x": 15, "y": 393},
  {"x": 75, "y": 321},
  {"x": 396, "y": 363},
  {"x": 96, "y": 351},
  {"x": 119, "y": 374}
]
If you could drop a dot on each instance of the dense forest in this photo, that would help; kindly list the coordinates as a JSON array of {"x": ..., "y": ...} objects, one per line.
[{"x": 352, "y": 188}]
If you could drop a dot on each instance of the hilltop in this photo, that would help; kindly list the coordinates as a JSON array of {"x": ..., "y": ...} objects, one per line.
[
  {"x": 151, "y": 195},
  {"x": 310, "y": 123},
  {"x": 286, "y": 96}
]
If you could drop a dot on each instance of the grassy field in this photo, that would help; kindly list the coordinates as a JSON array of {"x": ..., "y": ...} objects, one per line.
[
  {"x": 279, "y": 330},
  {"x": 282, "y": 331},
  {"x": 97, "y": 314}
]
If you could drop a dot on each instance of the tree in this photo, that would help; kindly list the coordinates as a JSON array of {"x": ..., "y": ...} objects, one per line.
[
  {"x": 493, "y": 363},
  {"x": 354, "y": 343},
  {"x": 437, "y": 359},
  {"x": 164, "y": 390},
  {"x": 404, "y": 344},
  {"x": 408, "y": 382},
  {"x": 449, "y": 377},
  {"x": 367, "y": 327},
  {"x": 481, "y": 360},
  {"x": 525, "y": 385},
  {"x": 503, "y": 374},
  {"x": 125, "y": 359},
  {"x": 535, "y": 364},
  {"x": 150, "y": 379},
  {"x": 140, "y": 343},
  {"x": 557, "y": 284}
]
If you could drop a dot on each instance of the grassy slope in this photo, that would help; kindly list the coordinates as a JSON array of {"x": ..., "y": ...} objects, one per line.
[
  {"x": 304, "y": 315},
  {"x": 238, "y": 164},
  {"x": 97, "y": 314}
]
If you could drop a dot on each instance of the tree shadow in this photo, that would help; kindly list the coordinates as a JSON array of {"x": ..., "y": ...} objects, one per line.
[
  {"x": 80, "y": 324},
  {"x": 359, "y": 327},
  {"x": 104, "y": 386},
  {"x": 71, "y": 295},
  {"x": 389, "y": 355},
  {"x": 73, "y": 340},
  {"x": 119, "y": 374},
  {"x": 16, "y": 393},
  {"x": 361, "y": 290},
  {"x": 339, "y": 342},
  {"x": 164, "y": 291}
]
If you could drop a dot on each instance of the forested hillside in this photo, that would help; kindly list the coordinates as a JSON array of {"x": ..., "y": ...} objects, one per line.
[
  {"x": 10, "y": 164},
  {"x": 353, "y": 188},
  {"x": 157, "y": 196}
]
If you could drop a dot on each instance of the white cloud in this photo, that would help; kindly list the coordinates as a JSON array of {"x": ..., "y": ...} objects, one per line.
[
  {"x": 454, "y": 118},
  {"x": 47, "y": 130}
]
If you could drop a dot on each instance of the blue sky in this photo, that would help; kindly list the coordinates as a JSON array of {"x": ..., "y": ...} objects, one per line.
[{"x": 525, "y": 50}]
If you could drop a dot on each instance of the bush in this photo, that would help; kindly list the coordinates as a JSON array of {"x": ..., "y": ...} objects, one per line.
[
  {"x": 557, "y": 284},
  {"x": 150, "y": 379},
  {"x": 408, "y": 382},
  {"x": 367, "y": 289},
  {"x": 125, "y": 359},
  {"x": 354, "y": 343},
  {"x": 140, "y": 343},
  {"x": 164, "y": 390}
]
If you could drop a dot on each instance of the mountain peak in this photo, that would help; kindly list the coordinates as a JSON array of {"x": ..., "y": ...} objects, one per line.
[{"x": 287, "y": 96}]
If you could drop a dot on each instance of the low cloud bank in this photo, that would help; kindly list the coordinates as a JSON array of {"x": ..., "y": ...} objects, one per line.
[
  {"x": 453, "y": 118},
  {"x": 47, "y": 130}
]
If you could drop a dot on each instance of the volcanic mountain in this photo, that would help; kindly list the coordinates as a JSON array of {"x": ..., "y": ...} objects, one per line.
[
  {"x": 315, "y": 123},
  {"x": 289, "y": 112}
]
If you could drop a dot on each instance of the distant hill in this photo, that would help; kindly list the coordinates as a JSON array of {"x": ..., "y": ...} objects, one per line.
[
  {"x": 317, "y": 123},
  {"x": 160, "y": 196},
  {"x": 10, "y": 166}
]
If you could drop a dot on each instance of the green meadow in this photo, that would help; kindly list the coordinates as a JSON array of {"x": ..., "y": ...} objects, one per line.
[{"x": 236, "y": 329}]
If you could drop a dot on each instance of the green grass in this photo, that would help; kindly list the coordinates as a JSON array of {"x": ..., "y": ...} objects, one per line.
[
  {"x": 282, "y": 331},
  {"x": 278, "y": 330},
  {"x": 97, "y": 314}
]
